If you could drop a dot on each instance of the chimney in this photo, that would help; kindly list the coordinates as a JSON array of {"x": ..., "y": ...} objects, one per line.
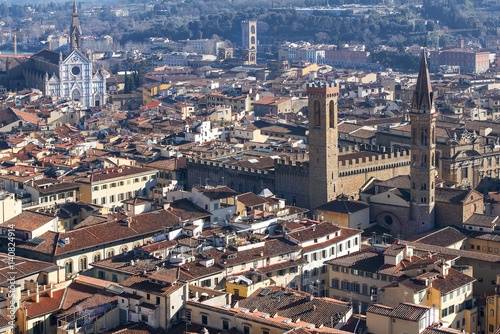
[
  {"x": 314, "y": 307},
  {"x": 311, "y": 298},
  {"x": 228, "y": 299},
  {"x": 37, "y": 295}
]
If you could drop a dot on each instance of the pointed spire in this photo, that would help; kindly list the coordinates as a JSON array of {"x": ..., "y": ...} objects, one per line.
[
  {"x": 75, "y": 31},
  {"x": 423, "y": 97}
]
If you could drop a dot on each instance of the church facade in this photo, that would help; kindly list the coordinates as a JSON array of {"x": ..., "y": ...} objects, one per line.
[
  {"x": 415, "y": 204},
  {"x": 70, "y": 76}
]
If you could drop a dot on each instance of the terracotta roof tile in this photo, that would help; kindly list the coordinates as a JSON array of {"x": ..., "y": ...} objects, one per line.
[
  {"x": 46, "y": 305},
  {"x": 29, "y": 220}
]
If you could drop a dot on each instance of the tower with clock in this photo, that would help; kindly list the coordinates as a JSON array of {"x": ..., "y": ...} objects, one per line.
[{"x": 70, "y": 76}]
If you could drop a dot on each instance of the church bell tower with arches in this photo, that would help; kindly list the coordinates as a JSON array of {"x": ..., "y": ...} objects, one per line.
[{"x": 423, "y": 152}]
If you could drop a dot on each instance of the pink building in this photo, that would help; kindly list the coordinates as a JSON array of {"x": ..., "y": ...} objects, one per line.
[
  {"x": 346, "y": 57},
  {"x": 469, "y": 61}
]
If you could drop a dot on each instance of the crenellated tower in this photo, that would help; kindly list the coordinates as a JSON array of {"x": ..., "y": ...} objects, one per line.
[
  {"x": 323, "y": 142},
  {"x": 75, "y": 31},
  {"x": 423, "y": 152}
]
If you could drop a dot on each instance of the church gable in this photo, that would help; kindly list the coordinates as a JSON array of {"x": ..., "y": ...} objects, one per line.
[
  {"x": 53, "y": 79},
  {"x": 393, "y": 197},
  {"x": 76, "y": 57},
  {"x": 97, "y": 76},
  {"x": 473, "y": 196},
  {"x": 76, "y": 85}
]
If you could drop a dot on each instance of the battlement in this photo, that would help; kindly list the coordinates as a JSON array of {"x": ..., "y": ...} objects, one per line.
[
  {"x": 384, "y": 158},
  {"x": 368, "y": 148},
  {"x": 221, "y": 165},
  {"x": 219, "y": 153},
  {"x": 296, "y": 162},
  {"x": 322, "y": 88}
]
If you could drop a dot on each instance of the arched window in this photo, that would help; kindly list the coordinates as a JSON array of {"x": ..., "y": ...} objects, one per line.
[
  {"x": 424, "y": 187},
  {"x": 68, "y": 267},
  {"x": 432, "y": 136},
  {"x": 97, "y": 100},
  {"x": 252, "y": 29},
  {"x": 252, "y": 40},
  {"x": 424, "y": 160},
  {"x": 111, "y": 253},
  {"x": 82, "y": 265},
  {"x": 75, "y": 95},
  {"x": 424, "y": 137},
  {"x": 331, "y": 109},
  {"x": 123, "y": 250},
  {"x": 317, "y": 114},
  {"x": 97, "y": 257}
]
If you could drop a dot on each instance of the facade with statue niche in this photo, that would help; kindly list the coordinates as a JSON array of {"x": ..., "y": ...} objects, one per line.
[{"x": 70, "y": 76}]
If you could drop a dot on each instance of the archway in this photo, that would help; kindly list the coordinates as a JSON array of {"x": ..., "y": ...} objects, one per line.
[{"x": 75, "y": 95}]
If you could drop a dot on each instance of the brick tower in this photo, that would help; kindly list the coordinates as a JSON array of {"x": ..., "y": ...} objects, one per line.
[
  {"x": 323, "y": 142},
  {"x": 423, "y": 153}
]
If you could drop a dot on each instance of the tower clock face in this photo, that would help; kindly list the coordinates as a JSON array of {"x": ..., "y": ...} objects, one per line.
[{"x": 75, "y": 70}]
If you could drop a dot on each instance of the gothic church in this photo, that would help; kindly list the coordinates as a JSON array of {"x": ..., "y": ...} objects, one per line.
[
  {"x": 68, "y": 76},
  {"x": 414, "y": 204}
]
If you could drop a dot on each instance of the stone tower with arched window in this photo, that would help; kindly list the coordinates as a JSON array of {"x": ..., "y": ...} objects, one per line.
[
  {"x": 249, "y": 42},
  {"x": 423, "y": 152},
  {"x": 323, "y": 142}
]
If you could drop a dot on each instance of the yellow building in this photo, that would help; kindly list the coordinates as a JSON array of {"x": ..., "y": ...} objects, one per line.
[
  {"x": 345, "y": 213},
  {"x": 404, "y": 318},
  {"x": 307, "y": 68},
  {"x": 484, "y": 243},
  {"x": 110, "y": 186},
  {"x": 437, "y": 285},
  {"x": 245, "y": 285},
  {"x": 491, "y": 310},
  {"x": 150, "y": 90}
]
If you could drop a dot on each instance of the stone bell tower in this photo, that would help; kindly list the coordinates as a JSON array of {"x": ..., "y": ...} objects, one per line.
[
  {"x": 323, "y": 142},
  {"x": 75, "y": 31},
  {"x": 423, "y": 152}
]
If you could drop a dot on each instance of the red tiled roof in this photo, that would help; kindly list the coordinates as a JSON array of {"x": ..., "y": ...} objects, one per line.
[{"x": 45, "y": 305}]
